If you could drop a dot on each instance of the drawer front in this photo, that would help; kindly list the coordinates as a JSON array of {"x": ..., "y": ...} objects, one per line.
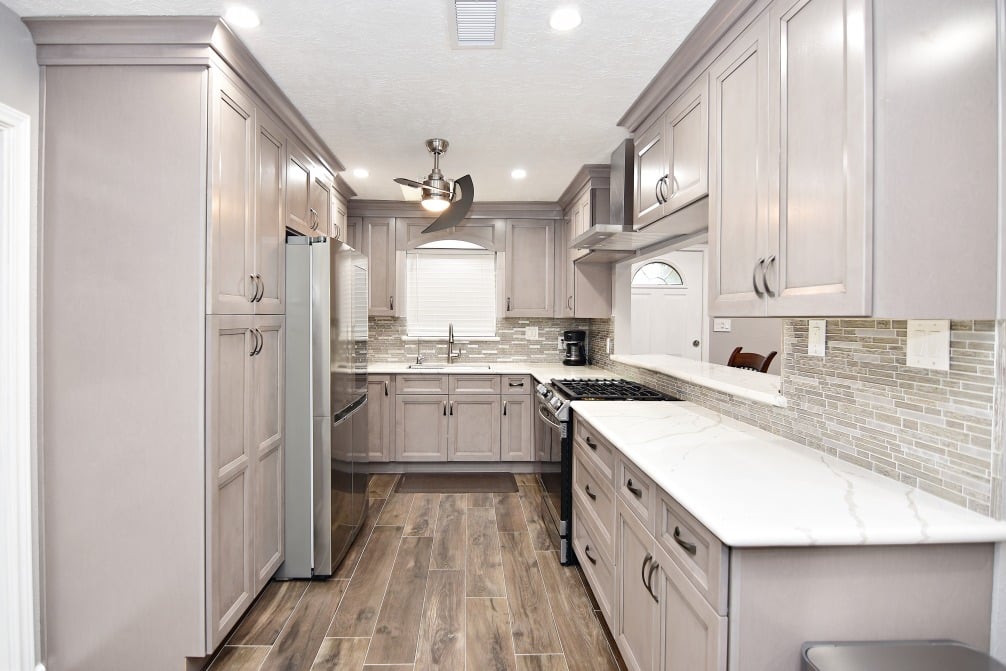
[
  {"x": 637, "y": 491},
  {"x": 421, "y": 383},
  {"x": 597, "y": 498},
  {"x": 516, "y": 384},
  {"x": 474, "y": 384},
  {"x": 694, "y": 549},
  {"x": 600, "y": 451},
  {"x": 595, "y": 561}
]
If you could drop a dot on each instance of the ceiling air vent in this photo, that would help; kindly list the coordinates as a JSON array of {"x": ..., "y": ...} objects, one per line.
[{"x": 476, "y": 22}]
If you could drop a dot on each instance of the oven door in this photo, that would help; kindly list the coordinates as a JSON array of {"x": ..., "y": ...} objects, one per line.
[{"x": 548, "y": 452}]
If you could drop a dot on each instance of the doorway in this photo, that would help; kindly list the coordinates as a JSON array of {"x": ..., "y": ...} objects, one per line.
[{"x": 668, "y": 309}]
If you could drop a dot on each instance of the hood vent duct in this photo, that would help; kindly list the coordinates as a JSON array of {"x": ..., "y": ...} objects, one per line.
[{"x": 475, "y": 22}]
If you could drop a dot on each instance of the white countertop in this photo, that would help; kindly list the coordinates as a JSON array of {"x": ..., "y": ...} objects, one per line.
[
  {"x": 754, "y": 489},
  {"x": 543, "y": 372},
  {"x": 758, "y": 387}
]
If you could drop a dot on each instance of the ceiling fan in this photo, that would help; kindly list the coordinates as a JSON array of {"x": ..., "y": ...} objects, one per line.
[{"x": 439, "y": 194}]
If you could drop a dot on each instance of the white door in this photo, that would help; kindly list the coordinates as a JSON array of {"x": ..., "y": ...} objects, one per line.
[{"x": 667, "y": 307}]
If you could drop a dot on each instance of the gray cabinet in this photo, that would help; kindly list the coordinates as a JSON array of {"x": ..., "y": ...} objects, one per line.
[
  {"x": 650, "y": 168},
  {"x": 421, "y": 426},
  {"x": 298, "y": 189},
  {"x": 380, "y": 417},
  {"x": 529, "y": 272},
  {"x": 378, "y": 243},
  {"x": 637, "y": 616},
  {"x": 584, "y": 288},
  {"x": 340, "y": 216},
  {"x": 517, "y": 424},
  {"x": 320, "y": 201},
  {"x": 270, "y": 218},
  {"x": 473, "y": 432}
]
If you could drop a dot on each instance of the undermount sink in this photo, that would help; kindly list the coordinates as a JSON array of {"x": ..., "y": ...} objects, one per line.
[{"x": 460, "y": 368}]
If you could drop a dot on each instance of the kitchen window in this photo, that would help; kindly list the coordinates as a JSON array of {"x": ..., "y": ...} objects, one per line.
[
  {"x": 451, "y": 282},
  {"x": 657, "y": 274}
]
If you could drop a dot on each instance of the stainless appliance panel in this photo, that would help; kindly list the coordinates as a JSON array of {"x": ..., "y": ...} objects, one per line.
[{"x": 323, "y": 480}]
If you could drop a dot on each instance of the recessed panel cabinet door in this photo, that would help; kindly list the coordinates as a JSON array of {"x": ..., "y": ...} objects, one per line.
[
  {"x": 529, "y": 269},
  {"x": 231, "y": 287},
  {"x": 821, "y": 131},
  {"x": 298, "y": 189},
  {"x": 636, "y": 619},
  {"x": 270, "y": 218},
  {"x": 688, "y": 147},
  {"x": 474, "y": 428},
  {"x": 381, "y": 417},
  {"x": 320, "y": 198},
  {"x": 421, "y": 427},
  {"x": 515, "y": 435},
  {"x": 738, "y": 181},
  {"x": 379, "y": 246},
  {"x": 267, "y": 441},
  {"x": 229, "y": 408},
  {"x": 650, "y": 168},
  {"x": 692, "y": 636}
]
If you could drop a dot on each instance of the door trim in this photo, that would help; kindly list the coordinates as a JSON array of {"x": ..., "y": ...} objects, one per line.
[{"x": 19, "y": 575}]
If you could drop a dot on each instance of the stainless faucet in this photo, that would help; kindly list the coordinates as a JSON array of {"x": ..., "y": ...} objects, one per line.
[
  {"x": 419, "y": 354},
  {"x": 452, "y": 354}
]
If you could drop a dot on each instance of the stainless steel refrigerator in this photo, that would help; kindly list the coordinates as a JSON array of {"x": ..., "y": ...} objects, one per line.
[{"x": 326, "y": 403}]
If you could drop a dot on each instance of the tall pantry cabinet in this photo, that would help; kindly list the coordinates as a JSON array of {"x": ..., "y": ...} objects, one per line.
[{"x": 164, "y": 213}]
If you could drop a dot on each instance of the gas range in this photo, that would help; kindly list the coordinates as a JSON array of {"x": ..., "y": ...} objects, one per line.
[{"x": 560, "y": 393}]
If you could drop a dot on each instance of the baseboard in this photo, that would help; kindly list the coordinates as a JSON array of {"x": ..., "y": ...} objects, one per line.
[{"x": 463, "y": 467}]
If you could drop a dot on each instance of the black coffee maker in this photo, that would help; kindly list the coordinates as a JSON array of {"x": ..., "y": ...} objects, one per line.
[{"x": 576, "y": 348}]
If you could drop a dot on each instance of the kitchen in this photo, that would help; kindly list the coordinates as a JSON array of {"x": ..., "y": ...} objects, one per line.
[{"x": 855, "y": 495}]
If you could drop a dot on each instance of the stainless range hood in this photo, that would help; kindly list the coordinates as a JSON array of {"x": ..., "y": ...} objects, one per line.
[{"x": 617, "y": 240}]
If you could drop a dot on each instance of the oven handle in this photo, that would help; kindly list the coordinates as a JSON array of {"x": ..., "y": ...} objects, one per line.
[{"x": 546, "y": 419}]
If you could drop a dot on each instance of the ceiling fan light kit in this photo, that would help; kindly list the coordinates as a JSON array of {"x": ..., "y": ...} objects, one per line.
[{"x": 439, "y": 194}]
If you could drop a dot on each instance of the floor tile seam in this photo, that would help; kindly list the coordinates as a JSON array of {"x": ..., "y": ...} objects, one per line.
[
  {"x": 286, "y": 622},
  {"x": 422, "y": 610},
  {"x": 384, "y": 596},
  {"x": 552, "y": 609},
  {"x": 506, "y": 593},
  {"x": 366, "y": 541},
  {"x": 335, "y": 610},
  {"x": 548, "y": 604}
]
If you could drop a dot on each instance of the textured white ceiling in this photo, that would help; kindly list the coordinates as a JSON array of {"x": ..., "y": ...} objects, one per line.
[{"x": 377, "y": 77}]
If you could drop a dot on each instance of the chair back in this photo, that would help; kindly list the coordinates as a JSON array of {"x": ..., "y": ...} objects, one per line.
[{"x": 750, "y": 360}]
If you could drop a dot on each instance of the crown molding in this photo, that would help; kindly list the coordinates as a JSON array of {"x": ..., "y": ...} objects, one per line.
[{"x": 594, "y": 175}]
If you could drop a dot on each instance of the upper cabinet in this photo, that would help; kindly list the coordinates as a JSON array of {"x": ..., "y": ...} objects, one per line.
[
  {"x": 529, "y": 271},
  {"x": 340, "y": 219},
  {"x": 672, "y": 157},
  {"x": 378, "y": 243}
]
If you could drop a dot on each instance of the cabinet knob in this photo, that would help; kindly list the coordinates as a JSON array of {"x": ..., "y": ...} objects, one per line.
[{"x": 592, "y": 495}]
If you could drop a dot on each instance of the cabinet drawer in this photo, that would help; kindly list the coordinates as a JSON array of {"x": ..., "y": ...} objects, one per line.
[
  {"x": 694, "y": 549},
  {"x": 600, "y": 451},
  {"x": 595, "y": 561},
  {"x": 516, "y": 384},
  {"x": 637, "y": 491},
  {"x": 597, "y": 498},
  {"x": 474, "y": 384},
  {"x": 421, "y": 383}
]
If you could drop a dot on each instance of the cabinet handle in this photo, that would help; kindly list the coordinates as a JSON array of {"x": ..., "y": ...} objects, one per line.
[
  {"x": 391, "y": 302},
  {"x": 338, "y": 232},
  {"x": 504, "y": 408},
  {"x": 261, "y": 284},
  {"x": 508, "y": 304},
  {"x": 592, "y": 495},
  {"x": 586, "y": 551},
  {"x": 649, "y": 580},
  {"x": 764, "y": 276},
  {"x": 251, "y": 332},
  {"x": 685, "y": 545},
  {"x": 636, "y": 491},
  {"x": 754, "y": 278},
  {"x": 592, "y": 445},
  {"x": 569, "y": 302},
  {"x": 642, "y": 573},
  {"x": 445, "y": 407},
  {"x": 452, "y": 407},
  {"x": 516, "y": 384},
  {"x": 254, "y": 288},
  {"x": 261, "y": 342},
  {"x": 314, "y": 219},
  {"x": 656, "y": 191},
  {"x": 663, "y": 188},
  {"x": 385, "y": 387}
]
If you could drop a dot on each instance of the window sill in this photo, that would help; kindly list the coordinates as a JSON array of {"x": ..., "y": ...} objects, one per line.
[{"x": 407, "y": 338}]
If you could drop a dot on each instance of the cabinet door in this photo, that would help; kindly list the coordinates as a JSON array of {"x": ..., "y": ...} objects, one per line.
[
  {"x": 320, "y": 199},
  {"x": 380, "y": 415},
  {"x": 636, "y": 619},
  {"x": 738, "y": 206},
  {"x": 231, "y": 246},
  {"x": 515, "y": 435},
  {"x": 529, "y": 270},
  {"x": 688, "y": 146},
  {"x": 298, "y": 189},
  {"x": 421, "y": 427},
  {"x": 354, "y": 226},
  {"x": 474, "y": 433},
  {"x": 692, "y": 636},
  {"x": 379, "y": 246},
  {"x": 270, "y": 217},
  {"x": 230, "y": 459},
  {"x": 340, "y": 216},
  {"x": 267, "y": 439},
  {"x": 821, "y": 130},
  {"x": 651, "y": 166}
]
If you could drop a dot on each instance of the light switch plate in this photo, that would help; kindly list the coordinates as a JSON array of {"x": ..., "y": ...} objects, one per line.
[
  {"x": 530, "y": 332},
  {"x": 816, "y": 336},
  {"x": 929, "y": 344},
  {"x": 721, "y": 325},
  {"x": 558, "y": 344}
]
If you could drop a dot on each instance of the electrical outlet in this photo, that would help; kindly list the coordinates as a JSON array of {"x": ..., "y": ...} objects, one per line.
[
  {"x": 607, "y": 346},
  {"x": 721, "y": 325},
  {"x": 558, "y": 343},
  {"x": 531, "y": 333},
  {"x": 928, "y": 344},
  {"x": 816, "y": 336}
]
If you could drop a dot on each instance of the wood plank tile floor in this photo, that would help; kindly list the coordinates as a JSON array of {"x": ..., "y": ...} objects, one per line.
[{"x": 452, "y": 582}]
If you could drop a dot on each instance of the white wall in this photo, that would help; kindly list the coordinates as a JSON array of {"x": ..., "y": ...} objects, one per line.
[
  {"x": 19, "y": 89},
  {"x": 760, "y": 335}
]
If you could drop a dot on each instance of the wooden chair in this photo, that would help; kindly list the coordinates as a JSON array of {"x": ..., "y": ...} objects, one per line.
[{"x": 750, "y": 360}]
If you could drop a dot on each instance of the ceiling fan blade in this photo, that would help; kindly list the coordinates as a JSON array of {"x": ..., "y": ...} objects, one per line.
[
  {"x": 419, "y": 185},
  {"x": 454, "y": 214}
]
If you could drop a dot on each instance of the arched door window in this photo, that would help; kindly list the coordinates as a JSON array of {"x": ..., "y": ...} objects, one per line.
[{"x": 657, "y": 274}]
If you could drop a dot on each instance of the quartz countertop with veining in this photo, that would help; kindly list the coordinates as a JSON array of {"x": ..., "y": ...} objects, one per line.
[{"x": 752, "y": 488}]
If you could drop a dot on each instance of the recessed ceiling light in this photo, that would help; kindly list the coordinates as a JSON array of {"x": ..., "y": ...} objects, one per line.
[
  {"x": 361, "y": 173},
  {"x": 565, "y": 18},
  {"x": 241, "y": 17},
  {"x": 518, "y": 173}
]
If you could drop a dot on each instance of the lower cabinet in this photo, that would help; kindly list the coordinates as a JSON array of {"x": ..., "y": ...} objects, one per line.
[
  {"x": 473, "y": 432},
  {"x": 516, "y": 440},
  {"x": 637, "y": 615},
  {"x": 380, "y": 417},
  {"x": 421, "y": 427},
  {"x": 244, "y": 397}
]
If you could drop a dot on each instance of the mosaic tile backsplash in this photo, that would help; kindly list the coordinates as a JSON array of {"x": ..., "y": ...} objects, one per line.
[{"x": 860, "y": 402}]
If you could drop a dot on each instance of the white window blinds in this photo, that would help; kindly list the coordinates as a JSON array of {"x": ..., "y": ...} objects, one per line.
[{"x": 451, "y": 287}]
